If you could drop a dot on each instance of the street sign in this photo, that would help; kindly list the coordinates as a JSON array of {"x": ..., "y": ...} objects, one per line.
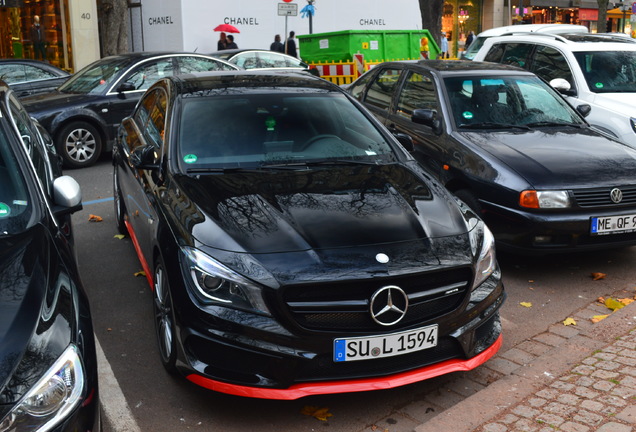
[{"x": 287, "y": 9}]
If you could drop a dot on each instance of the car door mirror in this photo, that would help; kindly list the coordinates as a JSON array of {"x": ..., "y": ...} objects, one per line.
[
  {"x": 427, "y": 117},
  {"x": 144, "y": 157},
  {"x": 584, "y": 109},
  {"x": 67, "y": 196},
  {"x": 562, "y": 86},
  {"x": 125, "y": 87},
  {"x": 405, "y": 140}
]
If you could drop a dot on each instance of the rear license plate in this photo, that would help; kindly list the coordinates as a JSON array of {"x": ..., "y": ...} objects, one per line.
[
  {"x": 365, "y": 348},
  {"x": 613, "y": 225}
]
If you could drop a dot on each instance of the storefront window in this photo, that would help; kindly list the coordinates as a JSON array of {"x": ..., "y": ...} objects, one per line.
[
  {"x": 18, "y": 18},
  {"x": 459, "y": 18}
]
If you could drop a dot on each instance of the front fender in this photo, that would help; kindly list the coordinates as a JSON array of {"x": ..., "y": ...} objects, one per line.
[{"x": 77, "y": 114}]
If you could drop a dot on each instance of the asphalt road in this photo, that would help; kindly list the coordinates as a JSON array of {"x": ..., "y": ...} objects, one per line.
[{"x": 556, "y": 287}]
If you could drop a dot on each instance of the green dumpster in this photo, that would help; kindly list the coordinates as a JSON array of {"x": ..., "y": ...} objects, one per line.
[{"x": 375, "y": 45}]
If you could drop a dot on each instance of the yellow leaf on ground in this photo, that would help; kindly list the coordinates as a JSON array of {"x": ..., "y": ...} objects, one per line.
[
  {"x": 597, "y": 276},
  {"x": 569, "y": 321},
  {"x": 94, "y": 218},
  {"x": 526, "y": 304},
  {"x": 119, "y": 236},
  {"x": 597, "y": 318},
  {"x": 626, "y": 301},
  {"x": 613, "y": 304},
  {"x": 140, "y": 273},
  {"x": 321, "y": 414}
]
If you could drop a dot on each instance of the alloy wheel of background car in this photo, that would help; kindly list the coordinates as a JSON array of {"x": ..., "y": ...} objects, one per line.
[
  {"x": 164, "y": 319},
  {"x": 120, "y": 209},
  {"x": 80, "y": 144}
]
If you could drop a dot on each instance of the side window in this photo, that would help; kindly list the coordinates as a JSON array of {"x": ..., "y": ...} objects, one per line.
[
  {"x": 496, "y": 53},
  {"x": 418, "y": 92},
  {"x": 34, "y": 73},
  {"x": 550, "y": 64},
  {"x": 382, "y": 88},
  {"x": 357, "y": 88},
  {"x": 12, "y": 74},
  {"x": 271, "y": 60},
  {"x": 200, "y": 64},
  {"x": 149, "y": 73},
  {"x": 143, "y": 110},
  {"x": 516, "y": 54},
  {"x": 154, "y": 130}
]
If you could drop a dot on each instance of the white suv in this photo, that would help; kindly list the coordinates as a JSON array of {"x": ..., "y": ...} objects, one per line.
[{"x": 600, "y": 70}]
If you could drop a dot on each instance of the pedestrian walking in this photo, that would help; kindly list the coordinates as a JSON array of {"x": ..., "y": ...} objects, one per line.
[
  {"x": 277, "y": 45},
  {"x": 443, "y": 46},
  {"x": 290, "y": 45},
  {"x": 230, "y": 43},
  {"x": 39, "y": 39}
]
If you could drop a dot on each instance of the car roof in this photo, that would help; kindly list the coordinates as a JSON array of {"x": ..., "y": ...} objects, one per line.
[
  {"x": 454, "y": 66},
  {"x": 531, "y": 28},
  {"x": 574, "y": 42},
  {"x": 195, "y": 83}
]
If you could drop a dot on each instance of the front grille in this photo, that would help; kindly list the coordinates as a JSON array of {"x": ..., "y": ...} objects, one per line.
[
  {"x": 600, "y": 197},
  {"x": 344, "y": 306}
]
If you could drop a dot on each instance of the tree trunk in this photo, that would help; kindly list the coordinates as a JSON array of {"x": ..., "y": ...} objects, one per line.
[
  {"x": 601, "y": 25},
  {"x": 113, "y": 26},
  {"x": 431, "y": 11}
]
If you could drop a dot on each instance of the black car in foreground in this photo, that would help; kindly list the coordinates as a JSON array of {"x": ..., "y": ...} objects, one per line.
[
  {"x": 293, "y": 246},
  {"x": 509, "y": 146},
  {"x": 48, "y": 366},
  {"x": 29, "y": 77},
  {"x": 83, "y": 114}
]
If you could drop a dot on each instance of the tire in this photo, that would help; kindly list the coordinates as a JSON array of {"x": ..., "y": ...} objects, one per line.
[
  {"x": 470, "y": 199},
  {"x": 120, "y": 208},
  {"x": 165, "y": 327},
  {"x": 80, "y": 144}
]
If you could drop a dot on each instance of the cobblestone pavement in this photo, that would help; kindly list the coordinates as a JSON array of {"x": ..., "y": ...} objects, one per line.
[{"x": 578, "y": 378}]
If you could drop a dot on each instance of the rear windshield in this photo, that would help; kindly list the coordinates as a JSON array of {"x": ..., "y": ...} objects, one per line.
[{"x": 253, "y": 129}]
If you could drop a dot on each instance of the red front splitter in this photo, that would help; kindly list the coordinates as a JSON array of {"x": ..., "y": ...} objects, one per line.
[{"x": 301, "y": 390}]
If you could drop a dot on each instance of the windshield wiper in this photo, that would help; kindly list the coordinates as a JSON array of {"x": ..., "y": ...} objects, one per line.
[
  {"x": 325, "y": 162},
  {"x": 222, "y": 170},
  {"x": 492, "y": 125},
  {"x": 553, "y": 124}
]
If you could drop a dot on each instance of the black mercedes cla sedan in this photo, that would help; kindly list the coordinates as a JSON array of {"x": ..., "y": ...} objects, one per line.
[
  {"x": 292, "y": 244},
  {"x": 48, "y": 366}
]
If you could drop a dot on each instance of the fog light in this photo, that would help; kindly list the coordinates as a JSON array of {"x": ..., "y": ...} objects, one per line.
[{"x": 542, "y": 239}]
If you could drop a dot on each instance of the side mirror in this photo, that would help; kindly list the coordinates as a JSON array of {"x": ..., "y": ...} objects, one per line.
[
  {"x": 405, "y": 140},
  {"x": 125, "y": 87},
  {"x": 67, "y": 196},
  {"x": 144, "y": 157},
  {"x": 584, "y": 109},
  {"x": 562, "y": 86},
  {"x": 427, "y": 117}
]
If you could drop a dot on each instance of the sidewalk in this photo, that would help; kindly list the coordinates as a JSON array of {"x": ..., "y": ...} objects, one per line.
[{"x": 570, "y": 378}]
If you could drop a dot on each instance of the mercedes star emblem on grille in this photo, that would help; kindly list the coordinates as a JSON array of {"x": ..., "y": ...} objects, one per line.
[
  {"x": 389, "y": 305},
  {"x": 616, "y": 195}
]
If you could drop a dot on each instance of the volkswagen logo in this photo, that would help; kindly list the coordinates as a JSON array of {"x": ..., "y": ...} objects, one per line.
[
  {"x": 389, "y": 305},
  {"x": 616, "y": 195}
]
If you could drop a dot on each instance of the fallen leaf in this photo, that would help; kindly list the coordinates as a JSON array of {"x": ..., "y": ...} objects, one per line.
[
  {"x": 140, "y": 273},
  {"x": 526, "y": 304},
  {"x": 601, "y": 299},
  {"x": 598, "y": 276},
  {"x": 569, "y": 321},
  {"x": 94, "y": 218},
  {"x": 597, "y": 318},
  {"x": 626, "y": 301},
  {"x": 614, "y": 304},
  {"x": 119, "y": 236},
  {"x": 321, "y": 414}
]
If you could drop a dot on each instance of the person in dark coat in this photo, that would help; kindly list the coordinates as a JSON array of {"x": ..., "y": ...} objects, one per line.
[
  {"x": 38, "y": 38},
  {"x": 222, "y": 43},
  {"x": 291, "y": 45},
  {"x": 469, "y": 39},
  {"x": 230, "y": 42},
  {"x": 277, "y": 45}
]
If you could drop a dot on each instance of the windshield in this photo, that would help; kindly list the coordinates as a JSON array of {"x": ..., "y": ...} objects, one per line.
[
  {"x": 609, "y": 71},
  {"x": 94, "y": 78},
  {"x": 515, "y": 101},
  {"x": 15, "y": 205},
  {"x": 257, "y": 130}
]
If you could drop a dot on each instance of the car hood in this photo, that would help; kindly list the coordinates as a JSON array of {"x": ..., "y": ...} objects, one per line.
[
  {"x": 328, "y": 220},
  {"x": 623, "y": 103},
  {"x": 560, "y": 158},
  {"x": 56, "y": 101},
  {"x": 33, "y": 330}
]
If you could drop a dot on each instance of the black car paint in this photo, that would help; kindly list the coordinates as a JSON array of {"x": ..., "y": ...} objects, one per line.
[
  {"x": 43, "y": 305},
  {"x": 31, "y": 87},
  {"x": 296, "y": 231},
  {"x": 496, "y": 165}
]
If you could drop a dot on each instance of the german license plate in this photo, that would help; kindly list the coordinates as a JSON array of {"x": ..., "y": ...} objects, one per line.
[
  {"x": 613, "y": 224},
  {"x": 365, "y": 348}
]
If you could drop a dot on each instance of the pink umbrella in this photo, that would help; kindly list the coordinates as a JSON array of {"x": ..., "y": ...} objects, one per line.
[{"x": 227, "y": 28}]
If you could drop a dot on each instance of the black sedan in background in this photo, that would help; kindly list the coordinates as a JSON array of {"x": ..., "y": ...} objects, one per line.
[
  {"x": 48, "y": 366},
  {"x": 83, "y": 114},
  {"x": 509, "y": 145},
  {"x": 293, "y": 246},
  {"x": 28, "y": 77}
]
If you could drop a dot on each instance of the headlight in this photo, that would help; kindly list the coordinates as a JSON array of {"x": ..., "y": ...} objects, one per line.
[
  {"x": 544, "y": 199},
  {"x": 216, "y": 283},
  {"x": 482, "y": 243},
  {"x": 51, "y": 399}
]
